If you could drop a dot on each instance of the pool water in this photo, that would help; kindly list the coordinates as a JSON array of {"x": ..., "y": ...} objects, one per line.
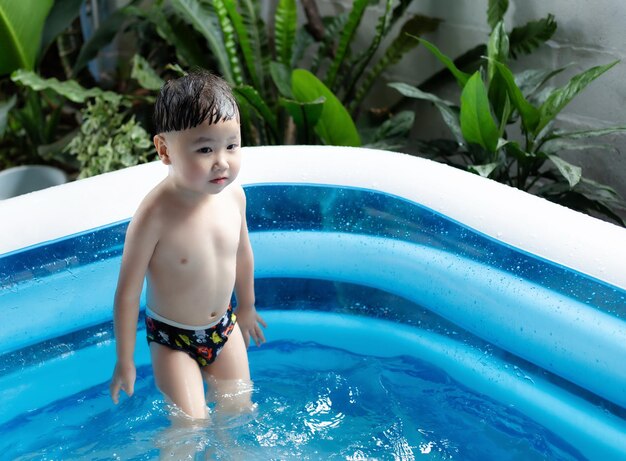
[{"x": 314, "y": 402}]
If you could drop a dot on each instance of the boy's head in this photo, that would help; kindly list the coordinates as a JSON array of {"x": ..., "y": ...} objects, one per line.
[
  {"x": 198, "y": 132},
  {"x": 188, "y": 101}
]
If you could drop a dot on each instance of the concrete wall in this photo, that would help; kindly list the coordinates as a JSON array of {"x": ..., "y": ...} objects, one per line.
[{"x": 589, "y": 33}]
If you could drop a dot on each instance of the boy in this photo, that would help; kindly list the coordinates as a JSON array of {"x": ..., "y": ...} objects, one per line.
[{"x": 189, "y": 238}]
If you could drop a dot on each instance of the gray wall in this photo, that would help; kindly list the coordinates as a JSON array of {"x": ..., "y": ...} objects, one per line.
[{"x": 589, "y": 33}]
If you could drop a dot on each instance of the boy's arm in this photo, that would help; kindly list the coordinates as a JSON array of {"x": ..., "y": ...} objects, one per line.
[
  {"x": 247, "y": 316},
  {"x": 141, "y": 239}
]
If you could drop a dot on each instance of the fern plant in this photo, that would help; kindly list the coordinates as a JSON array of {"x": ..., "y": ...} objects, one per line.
[{"x": 284, "y": 97}]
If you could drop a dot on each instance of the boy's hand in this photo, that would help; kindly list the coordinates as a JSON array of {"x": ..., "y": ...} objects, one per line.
[
  {"x": 249, "y": 323},
  {"x": 124, "y": 377}
]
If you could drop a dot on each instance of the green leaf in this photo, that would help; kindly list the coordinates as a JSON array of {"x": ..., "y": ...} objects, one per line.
[
  {"x": 484, "y": 170},
  {"x": 145, "y": 75},
  {"x": 199, "y": 15},
  {"x": 69, "y": 89},
  {"x": 303, "y": 41},
  {"x": 586, "y": 133},
  {"x": 305, "y": 115},
  {"x": 413, "y": 92},
  {"x": 446, "y": 108},
  {"x": 332, "y": 29},
  {"x": 345, "y": 40},
  {"x": 176, "y": 32},
  {"x": 561, "y": 97},
  {"x": 5, "y": 108},
  {"x": 477, "y": 124},
  {"x": 461, "y": 77},
  {"x": 529, "y": 81},
  {"x": 259, "y": 41},
  {"x": 281, "y": 75},
  {"x": 397, "y": 126},
  {"x": 527, "y": 38},
  {"x": 496, "y": 11},
  {"x": 229, "y": 40},
  {"x": 499, "y": 99},
  {"x": 601, "y": 191},
  {"x": 335, "y": 126},
  {"x": 248, "y": 95},
  {"x": 21, "y": 26},
  {"x": 62, "y": 14},
  {"x": 555, "y": 146},
  {"x": 505, "y": 117},
  {"x": 103, "y": 35},
  {"x": 244, "y": 42},
  {"x": 402, "y": 44},
  {"x": 530, "y": 114},
  {"x": 285, "y": 30},
  {"x": 513, "y": 149},
  {"x": 398, "y": 11},
  {"x": 570, "y": 172},
  {"x": 451, "y": 117},
  {"x": 497, "y": 49},
  {"x": 176, "y": 68},
  {"x": 357, "y": 69}
]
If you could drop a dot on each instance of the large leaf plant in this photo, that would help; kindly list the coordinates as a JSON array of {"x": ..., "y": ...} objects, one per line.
[
  {"x": 36, "y": 123},
  {"x": 504, "y": 126},
  {"x": 43, "y": 104}
]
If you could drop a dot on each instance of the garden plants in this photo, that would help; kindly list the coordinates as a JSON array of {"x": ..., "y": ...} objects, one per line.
[
  {"x": 505, "y": 127},
  {"x": 286, "y": 96}
]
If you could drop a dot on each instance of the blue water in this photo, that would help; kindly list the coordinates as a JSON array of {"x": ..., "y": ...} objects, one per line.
[
  {"x": 348, "y": 406},
  {"x": 315, "y": 401}
]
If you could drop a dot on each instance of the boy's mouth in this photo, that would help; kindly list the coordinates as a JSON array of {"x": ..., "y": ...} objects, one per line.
[{"x": 220, "y": 180}]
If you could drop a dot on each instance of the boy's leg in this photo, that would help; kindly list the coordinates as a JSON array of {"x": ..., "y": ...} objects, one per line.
[
  {"x": 228, "y": 377},
  {"x": 178, "y": 376}
]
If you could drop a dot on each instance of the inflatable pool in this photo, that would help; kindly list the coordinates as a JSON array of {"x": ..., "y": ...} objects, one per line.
[{"x": 516, "y": 298}]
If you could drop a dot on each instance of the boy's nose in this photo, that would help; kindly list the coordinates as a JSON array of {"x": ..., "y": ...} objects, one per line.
[{"x": 220, "y": 163}]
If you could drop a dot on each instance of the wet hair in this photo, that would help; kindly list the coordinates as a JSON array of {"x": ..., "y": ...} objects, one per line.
[{"x": 188, "y": 101}]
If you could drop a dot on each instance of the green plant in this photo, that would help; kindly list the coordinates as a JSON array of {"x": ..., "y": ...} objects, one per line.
[
  {"x": 109, "y": 139},
  {"x": 34, "y": 126},
  {"x": 286, "y": 98},
  {"x": 21, "y": 29},
  {"x": 29, "y": 131},
  {"x": 37, "y": 120},
  {"x": 493, "y": 100}
]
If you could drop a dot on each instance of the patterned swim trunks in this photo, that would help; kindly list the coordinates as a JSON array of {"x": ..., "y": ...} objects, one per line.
[{"x": 202, "y": 345}]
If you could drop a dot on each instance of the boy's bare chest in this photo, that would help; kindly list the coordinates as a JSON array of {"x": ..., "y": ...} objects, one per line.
[{"x": 201, "y": 236}]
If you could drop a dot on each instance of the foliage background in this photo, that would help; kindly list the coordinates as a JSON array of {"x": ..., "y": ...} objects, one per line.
[
  {"x": 588, "y": 34},
  {"x": 461, "y": 24}
]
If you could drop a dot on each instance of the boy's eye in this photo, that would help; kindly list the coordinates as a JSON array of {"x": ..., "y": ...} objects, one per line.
[
  {"x": 205, "y": 150},
  {"x": 232, "y": 146}
]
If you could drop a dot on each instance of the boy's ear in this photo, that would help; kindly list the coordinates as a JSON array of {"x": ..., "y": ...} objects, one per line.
[{"x": 162, "y": 150}]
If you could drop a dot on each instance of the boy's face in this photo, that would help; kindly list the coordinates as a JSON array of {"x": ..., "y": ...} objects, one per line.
[{"x": 203, "y": 159}]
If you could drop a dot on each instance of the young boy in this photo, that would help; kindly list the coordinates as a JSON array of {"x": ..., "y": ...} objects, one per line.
[{"x": 189, "y": 238}]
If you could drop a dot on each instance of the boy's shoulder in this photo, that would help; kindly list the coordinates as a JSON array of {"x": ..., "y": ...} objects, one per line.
[
  {"x": 155, "y": 198},
  {"x": 238, "y": 194},
  {"x": 152, "y": 206}
]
